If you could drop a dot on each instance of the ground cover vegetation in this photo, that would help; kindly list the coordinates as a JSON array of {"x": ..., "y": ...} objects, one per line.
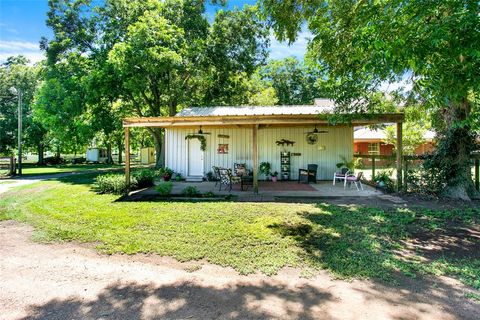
[{"x": 349, "y": 241}]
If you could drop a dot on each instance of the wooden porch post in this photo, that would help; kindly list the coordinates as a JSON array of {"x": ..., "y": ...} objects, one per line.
[
  {"x": 255, "y": 157},
  {"x": 399, "y": 154},
  {"x": 373, "y": 167},
  {"x": 127, "y": 157}
]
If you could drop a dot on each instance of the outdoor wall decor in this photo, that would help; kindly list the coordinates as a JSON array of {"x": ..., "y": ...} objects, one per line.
[
  {"x": 201, "y": 138},
  {"x": 224, "y": 136},
  {"x": 222, "y": 148},
  {"x": 295, "y": 154},
  {"x": 284, "y": 142},
  {"x": 311, "y": 138}
]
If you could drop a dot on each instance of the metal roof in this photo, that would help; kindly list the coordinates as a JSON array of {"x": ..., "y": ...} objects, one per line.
[
  {"x": 380, "y": 134},
  {"x": 255, "y": 110}
]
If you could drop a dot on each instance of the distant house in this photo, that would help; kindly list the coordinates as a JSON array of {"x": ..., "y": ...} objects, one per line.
[{"x": 372, "y": 142}]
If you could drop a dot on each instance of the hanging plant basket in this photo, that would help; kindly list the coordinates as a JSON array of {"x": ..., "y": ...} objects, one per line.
[{"x": 203, "y": 141}]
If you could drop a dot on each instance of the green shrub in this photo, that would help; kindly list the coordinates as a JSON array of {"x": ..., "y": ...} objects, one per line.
[
  {"x": 191, "y": 191},
  {"x": 114, "y": 183},
  {"x": 383, "y": 179},
  {"x": 144, "y": 178},
  {"x": 164, "y": 188},
  {"x": 209, "y": 194}
]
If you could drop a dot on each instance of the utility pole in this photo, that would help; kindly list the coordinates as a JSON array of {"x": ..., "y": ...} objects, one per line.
[{"x": 19, "y": 92}]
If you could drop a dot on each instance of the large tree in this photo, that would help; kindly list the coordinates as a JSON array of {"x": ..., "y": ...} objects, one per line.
[
  {"x": 17, "y": 73},
  {"x": 294, "y": 81},
  {"x": 61, "y": 103},
  {"x": 361, "y": 44},
  {"x": 152, "y": 57}
]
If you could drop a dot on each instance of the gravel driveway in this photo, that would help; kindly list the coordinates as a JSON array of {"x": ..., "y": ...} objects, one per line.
[{"x": 72, "y": 281}]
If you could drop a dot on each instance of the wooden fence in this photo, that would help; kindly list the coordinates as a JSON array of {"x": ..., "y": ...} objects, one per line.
[
  {"x": 406, "y": 159},
  {"x": 7, "y": 165}
]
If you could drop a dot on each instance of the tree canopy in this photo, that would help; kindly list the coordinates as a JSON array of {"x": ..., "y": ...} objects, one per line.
[
  {"x": 293, "y": 81},
  {"x": 359, "y": 45},
  {"x": 152, "y": 57},
  {"x": 17, "y": 75}
]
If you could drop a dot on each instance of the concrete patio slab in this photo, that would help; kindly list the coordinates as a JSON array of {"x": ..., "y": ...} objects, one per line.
[{"x": 272, "y": 191}]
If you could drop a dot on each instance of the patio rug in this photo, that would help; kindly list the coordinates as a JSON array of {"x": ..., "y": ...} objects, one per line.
[{"x": 284, "y": 186}]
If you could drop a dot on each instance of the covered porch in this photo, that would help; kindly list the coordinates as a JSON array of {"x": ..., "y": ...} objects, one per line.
[{"x": 253, "y": 135}]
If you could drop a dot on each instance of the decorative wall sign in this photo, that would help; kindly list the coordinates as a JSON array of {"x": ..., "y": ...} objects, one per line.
[
  {"x": 284, "y": 142},
  {"x": 222, "y": 148},
  {"x": 295, "y": 154},
  {"x": 224, "y": 136}
]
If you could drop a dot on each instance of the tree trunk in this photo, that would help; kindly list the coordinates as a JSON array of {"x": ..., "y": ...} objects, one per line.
[
  {"x": 157, "y": 135},
  {"x": 40, "y": 150},
  {"x": 454, "y": 151},
  {"x": 57, "y": 154},
  {"x": 120, "y": 149},
  {"x": 109, "y": 153}
]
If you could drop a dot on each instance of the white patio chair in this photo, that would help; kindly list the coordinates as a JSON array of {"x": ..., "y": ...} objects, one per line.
[
  {"x": 340, "y": 175},
  {"x": 357, "y": 180}
]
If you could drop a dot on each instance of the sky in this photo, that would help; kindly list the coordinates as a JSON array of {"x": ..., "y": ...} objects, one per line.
[{"x": 22, "y": 24}]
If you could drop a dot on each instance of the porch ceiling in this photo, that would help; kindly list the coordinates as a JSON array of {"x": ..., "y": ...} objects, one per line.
[{"x": 283, "y": 119}]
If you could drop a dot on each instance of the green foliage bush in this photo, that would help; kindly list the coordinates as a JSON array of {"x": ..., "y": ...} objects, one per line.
[
  {"x": 384, "y": 177},
  {"x": 443, "y": 168},
  {"x": 164, "y": 188},
  {"x": 114, "y": 183},
  {"x": 144, "y": 178},
  {"x": 208, "y": 194},
  {"x": 191, "y": 191}
]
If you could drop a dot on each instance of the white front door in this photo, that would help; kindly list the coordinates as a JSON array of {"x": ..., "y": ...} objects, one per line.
[{"x": 195, "y": 158}]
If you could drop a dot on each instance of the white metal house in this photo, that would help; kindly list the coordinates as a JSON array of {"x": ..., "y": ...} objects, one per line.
[
  {"x": 255, "y": 134},
  {"x": 228, "y": 145}
]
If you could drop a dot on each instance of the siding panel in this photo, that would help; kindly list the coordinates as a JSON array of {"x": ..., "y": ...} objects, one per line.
[{"x": 338, "y": 142}]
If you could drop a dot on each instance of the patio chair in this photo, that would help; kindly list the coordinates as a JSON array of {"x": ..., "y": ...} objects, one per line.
[
  {"x": 240, "y": 169},
  {"x": 340, "y": 175},
  {"x": 246, "y": 178},
  {"x": 216, "y": 175},
  {"x": 357, "y": 180},
  {"x": 308, "y": 175},
  {"x": 227, "y": 179}
]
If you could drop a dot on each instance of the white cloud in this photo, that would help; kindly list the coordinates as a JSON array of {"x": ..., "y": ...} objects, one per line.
[
  {"x": 31, "y": 50},
  {"x": 280, "y": 50}
]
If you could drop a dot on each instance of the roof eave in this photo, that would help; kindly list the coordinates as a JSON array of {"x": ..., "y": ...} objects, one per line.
[{"x": 165, "y": 122}]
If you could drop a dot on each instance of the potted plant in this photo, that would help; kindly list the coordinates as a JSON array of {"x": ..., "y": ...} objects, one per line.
[
  {"x": 383, "y": 180},
  {"x": 351, "y": 165},
  {"x": 274, "y": 176},
  {"x": 178, "y": 177},
  {"x": 265, "y": 169},
  {"x": 167, "y": 174}
]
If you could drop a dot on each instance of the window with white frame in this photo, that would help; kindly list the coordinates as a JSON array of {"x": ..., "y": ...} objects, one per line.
[{"x": 374, "y": 148}]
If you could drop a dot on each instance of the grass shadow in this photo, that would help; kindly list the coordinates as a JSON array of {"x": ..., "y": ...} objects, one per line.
[{"x": 361, "y": 242}]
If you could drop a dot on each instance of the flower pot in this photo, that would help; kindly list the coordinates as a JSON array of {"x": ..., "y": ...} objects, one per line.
[
  {"x": 178, "y": 178},
  {"x": 167, "y": 177},
  {"x": 274, "y": 179}
]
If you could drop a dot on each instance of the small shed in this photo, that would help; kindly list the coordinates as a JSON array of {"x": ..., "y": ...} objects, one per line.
[
  {"x": 147, "y": 155},
  {"x": 96, "y": 155}
]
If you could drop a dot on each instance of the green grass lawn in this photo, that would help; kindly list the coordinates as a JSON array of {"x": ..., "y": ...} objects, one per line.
[
  {"x": 350, "y": 242},
  {"x": 34, "y": 170}
]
